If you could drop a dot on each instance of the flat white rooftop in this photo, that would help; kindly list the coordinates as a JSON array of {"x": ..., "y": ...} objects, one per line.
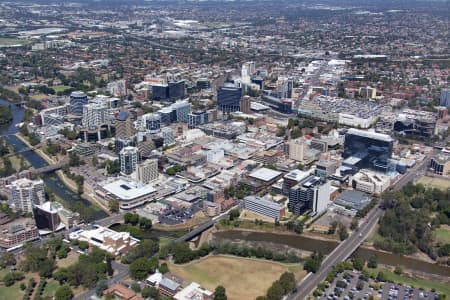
[
  {"x": 128, "y": 189},
  {"x": 265, "y": 174}
]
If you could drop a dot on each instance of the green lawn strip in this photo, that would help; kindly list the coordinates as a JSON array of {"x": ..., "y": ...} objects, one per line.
[
  {"x": 50, "y": 288},
  {"x": 438, "y": 286},
  {"x": 61, "y": 88},
  {"x": 443, "y": 235},
  {"x": 11, "y": 292}
]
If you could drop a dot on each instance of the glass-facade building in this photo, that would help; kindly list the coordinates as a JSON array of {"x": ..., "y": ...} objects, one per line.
[
  {"x": 153, "y": 123},
  {"x": 364, "y": 149},
  {"x": 229, "y": 99},
  {"x": 77, "y": 101}
]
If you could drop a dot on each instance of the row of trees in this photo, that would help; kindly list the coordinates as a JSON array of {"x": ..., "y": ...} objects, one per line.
[
  {"x": 182, "y": 253},
  {"x": 5, "y": 115},
  {"x": 284, "y": 285}
]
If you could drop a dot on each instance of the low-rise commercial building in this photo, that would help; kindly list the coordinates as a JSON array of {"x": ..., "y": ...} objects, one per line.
[
  {"x": 18, "y": 232},
  {"x": 193, "y": 292},
  {"x": 350, "y": 202},
  {"x": 440, "y": 165},
  {"x": 264, "y": 207},
  {"x": 369, "y": 182},
  {"x": 129, "y": 193},
  {"x": 116, "y": 243}
]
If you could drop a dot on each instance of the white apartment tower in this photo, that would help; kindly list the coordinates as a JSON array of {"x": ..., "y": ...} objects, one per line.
[
  {"x": 297, "y": 149},
  {"x": 147, "y": 171},
  {"x": 26, "y": 193}
]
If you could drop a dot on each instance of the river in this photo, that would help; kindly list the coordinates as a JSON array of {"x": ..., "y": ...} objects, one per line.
[
  {"x": 52, "y": 181},
  {"x": 310, "y": 244}
]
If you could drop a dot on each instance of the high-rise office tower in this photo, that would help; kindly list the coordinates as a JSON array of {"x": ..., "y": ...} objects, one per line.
[
  {"x": 94, "y": 115},
  {"x": 182, "y": 109},
  {"x": 176, "y": 89},
  {"x": 245, "y": 104},
  {"x": 77, "y": 101},
  {"x": 365, "y": 149},
  {"x": 147, "y": 171},
  {"x": 129, "y": 158},
  {"x": 124, "y": 125},
  {"x": 197, "y": 118},
  {"x": 153, "y": 123},
  {"x": 247, "y": 70},
  {"x": 229, "y": 99},
  {"x": 445, "y": 98},
  {"x": 26, "y": 193},
  {"x": 311, "y": 193},
  {"x": 167, "y": 134}
]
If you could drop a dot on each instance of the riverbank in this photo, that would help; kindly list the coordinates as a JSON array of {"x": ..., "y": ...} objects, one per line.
[
  {"x": 69, "y": 183},
  {"x": 309, "y": 243},
  {"x": 322, "y": 237}
]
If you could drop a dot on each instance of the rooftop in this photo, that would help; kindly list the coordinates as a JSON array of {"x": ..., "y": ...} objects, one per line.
[
  {"x": 370, "y": 134},
  {"x": 126, "y": 189},
  {"x": 265, "y": 174}
]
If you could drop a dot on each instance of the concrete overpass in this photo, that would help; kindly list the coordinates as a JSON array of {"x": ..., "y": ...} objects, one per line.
[
  {"x": 51, "y": 167},
  {"x": 110, "y": 220}
]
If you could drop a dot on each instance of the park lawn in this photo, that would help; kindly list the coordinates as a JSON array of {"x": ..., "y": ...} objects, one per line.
[
  {"x": 163, "y": 241},
  {"x": 4, "y": 41},
  {"x": 72, "y": 257},
  {"x": 439, "y": 183},
  {"x": 15, "y": 161},
  {"x": 443, "y": 234},
  {"x": 439, "y": 286},
  {"x": 11, "y": 292},
  {"x": 61, "y": 88},
  {"x": 243, "y": 278},
  {"x": 50, "y": 288}
]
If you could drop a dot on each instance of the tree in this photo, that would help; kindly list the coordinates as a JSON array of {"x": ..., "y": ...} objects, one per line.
[
  {"x": 343, "y": 233},
  {"x": 312, "y": 263},
  {"x": 64, "y": 292},
  {"x": 109, "y": 268},
  {"x": 130, "y": 218},
  {"x": 234, "y": 214},
  {"x": 140, "y": 268},
  {"x": 113, "y": 206},
  {"x": 164, "y": 268},
  {"x": 287, "y": 281},
  {"x": 398, "y": 270},
  {"x": 61, "y": 275},
  {"x": 372, "y": 262},
  {"x": 101, "y": 286},
  {"x": 275, "y": 292},
  {"x": 145, "y": 223},
  {"x": 220, "y": 293},
  {"x": 354, "y": 224},
  {"x": 83, "y": 245},
  {"x": 381, "y": 276},
  {"x": 136, "y": 287},
  {"x": 298, "y": 227},
  {"x": 358, "y": 263},
  {"x": 7, "y": 259},
  {"x": 182, "y": 253},
  {"x": 150, "y": 292},
  {"x": 333, "y": 226}
]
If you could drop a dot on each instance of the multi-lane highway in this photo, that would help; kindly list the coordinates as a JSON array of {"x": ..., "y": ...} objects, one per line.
[
  {"x": 347, "y": 247},
  {"x": 340, "y": 253}
]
